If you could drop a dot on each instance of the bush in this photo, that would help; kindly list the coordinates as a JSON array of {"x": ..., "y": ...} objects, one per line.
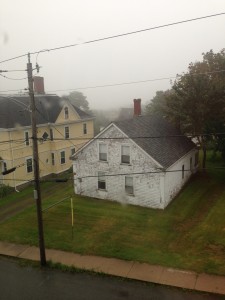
[{"x": 5, "y": 190}]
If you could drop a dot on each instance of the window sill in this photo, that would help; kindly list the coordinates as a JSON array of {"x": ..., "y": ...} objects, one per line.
[
  {"x": 125, "y": 164},
  {"x": 130, "y": 195},
  {"x": 102, "y": 190},
  {"x": 103, "y": 161}
]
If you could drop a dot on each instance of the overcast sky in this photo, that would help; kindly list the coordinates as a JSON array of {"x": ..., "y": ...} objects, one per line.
[{"x": 28, "y": 25}]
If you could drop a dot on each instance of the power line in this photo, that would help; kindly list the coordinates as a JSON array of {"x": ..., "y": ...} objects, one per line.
[
  {"x": 117, "y": 138},
  {"x": 6, "y": 71},
  {"x": 57, "y": 180},
  {"x": 128, "y": 33},
  {"x": 125, "y": 83},
  {"x": 13, "y": 58},
  {"x": 116, "y": 36},
  {"x": 143, "y": 137},
  {"x": 136, "y": 82},
  {"x": 6, "y": 91},
  {"x": 6, "y": 77}
]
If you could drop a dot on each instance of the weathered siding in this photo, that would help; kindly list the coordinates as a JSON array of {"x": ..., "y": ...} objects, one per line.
[
  {"x": 173, "y": 178},
  {"x": 147, "y": 187}
]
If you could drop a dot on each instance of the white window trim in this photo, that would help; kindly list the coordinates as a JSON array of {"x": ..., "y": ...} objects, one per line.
[
  {"x": 27, "y": 141},
  {"x": 72, "y": 149},
  {"x": 61, "y": 157},
  {"x": 54, "y": 158},
  {"x": 85, "y": 125},
  {"x": 105, "y": 181},
  {"x": 51, "y": 137},
  {"x": 130, "y": 194},
  {"x": 66, "y": 116},
  {"x": 122, "y": 163},
  {"x": 65, "y": 132},
  {"x": 4, "y": 165},
  {"x": 26, "y": 159},
  {"x": 102, "y": 143}
]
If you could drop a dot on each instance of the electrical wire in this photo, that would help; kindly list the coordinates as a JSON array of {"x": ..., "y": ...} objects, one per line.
[
  {"x": 13, "y": 78},
  {"x": 6, "y": 91},
  {"x": 119, "y": 138},
  {"x": 6, "y": 71},
  {"x": 119, "y": 174},
  {"x": 137, "y": 82},
  {"x": 116, "y": 36},
  {"x": 126, "y": 83}
]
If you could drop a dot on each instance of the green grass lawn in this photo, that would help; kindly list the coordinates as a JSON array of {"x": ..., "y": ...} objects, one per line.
[{"x": 188, "y": 234}]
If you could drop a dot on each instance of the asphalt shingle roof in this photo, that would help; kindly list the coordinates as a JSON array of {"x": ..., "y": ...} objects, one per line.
[
  {"x": 14, "y": 110},
  {"x": 164, "y": 146}
]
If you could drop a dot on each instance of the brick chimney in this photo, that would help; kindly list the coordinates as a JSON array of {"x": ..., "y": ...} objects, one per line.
[
  {"x": 137, "y": 107},
  {"x": 39, "y": 85}
]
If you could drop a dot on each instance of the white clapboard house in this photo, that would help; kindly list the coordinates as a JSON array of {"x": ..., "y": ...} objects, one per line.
[{"x": 143, "y": 161}]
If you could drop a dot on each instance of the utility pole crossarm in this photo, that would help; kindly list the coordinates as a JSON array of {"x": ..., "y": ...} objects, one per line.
[{"x": 37, "y": 189}]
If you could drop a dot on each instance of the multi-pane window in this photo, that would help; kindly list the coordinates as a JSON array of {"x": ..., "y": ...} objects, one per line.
[
  {"x": 182, "y": 171},
  {"x": 66, "y": 112},
  {"x": 26, "y": 135},
  {"x": 29, "y": 165},
  {"x": 51, "y": 134},
  {"x": 62, "y": 157},
  {"x": 129, "y": 186},
  {"x": 103, "y": 152},
  {"x": 53, "y": 158},
  {"x": 101, "y": 181},
  {"x": 84, "y": 128},
  {"x": 125, "y": 154},
  {"x": 67, "y": 132},
  {"x": 72, "y": 151}
]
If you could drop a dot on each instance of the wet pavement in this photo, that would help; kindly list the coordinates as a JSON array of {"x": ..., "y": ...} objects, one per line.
[
  {"x": 128, "y": 269},
  {"x": 26, "y": 282}
]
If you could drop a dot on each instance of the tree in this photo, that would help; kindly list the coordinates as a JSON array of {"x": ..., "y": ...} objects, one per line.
[
  {"x": 197, "y": 98},
  {"x": 158, "y": 104},
  {"x": 79, "y": 100}
]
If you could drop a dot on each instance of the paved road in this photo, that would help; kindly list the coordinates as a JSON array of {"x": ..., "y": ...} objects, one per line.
[{"x": 29, "y": 283}]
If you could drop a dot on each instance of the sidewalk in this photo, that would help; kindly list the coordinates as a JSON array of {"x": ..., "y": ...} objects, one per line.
[{"x": 128, "y": 269}]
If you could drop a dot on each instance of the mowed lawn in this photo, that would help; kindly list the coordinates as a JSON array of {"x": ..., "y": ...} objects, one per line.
[{"x": 188, "y": 234}]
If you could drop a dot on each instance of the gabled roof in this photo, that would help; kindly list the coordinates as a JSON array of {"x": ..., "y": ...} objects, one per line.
[
  {"x": 166, "y": 144},
  {"x": 14, "y": 110}
]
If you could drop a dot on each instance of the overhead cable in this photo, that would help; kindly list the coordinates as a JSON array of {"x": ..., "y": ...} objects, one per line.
[{"x": 116, "y": 36}]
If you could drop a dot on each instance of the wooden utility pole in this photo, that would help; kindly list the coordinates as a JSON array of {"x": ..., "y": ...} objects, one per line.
[{"x": 37, "y": 189}]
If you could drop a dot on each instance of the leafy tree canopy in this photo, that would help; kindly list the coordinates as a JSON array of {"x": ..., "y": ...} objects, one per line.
[
  {"x": 79, "y": 100},
  {"x": 197, "y": 98}
]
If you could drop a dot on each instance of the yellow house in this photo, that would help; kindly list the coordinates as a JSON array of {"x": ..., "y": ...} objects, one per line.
[{"x": 62, "y": 130}]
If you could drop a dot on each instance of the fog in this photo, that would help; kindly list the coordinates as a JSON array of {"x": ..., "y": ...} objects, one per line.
[{"x": 27, "y": 26}]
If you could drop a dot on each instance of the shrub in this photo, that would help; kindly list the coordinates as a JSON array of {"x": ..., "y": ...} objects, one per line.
[{"x": 5, "y": 190}]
